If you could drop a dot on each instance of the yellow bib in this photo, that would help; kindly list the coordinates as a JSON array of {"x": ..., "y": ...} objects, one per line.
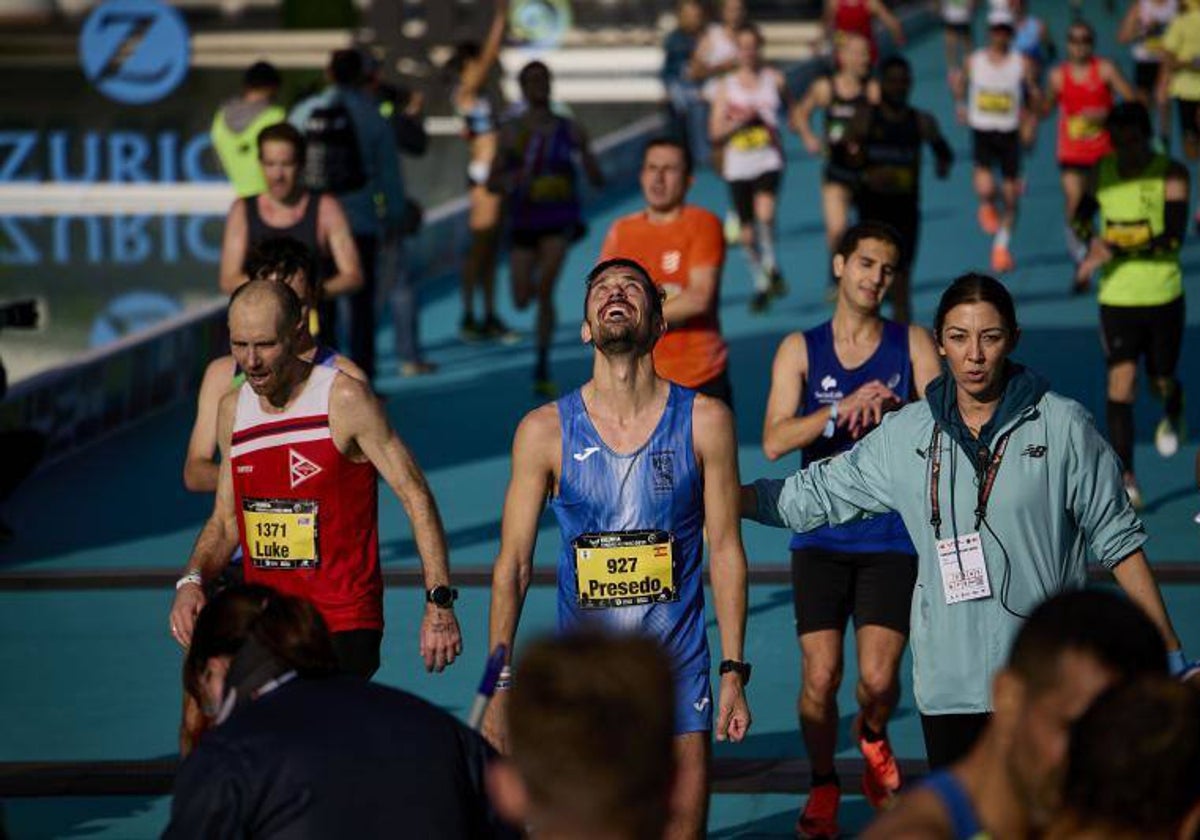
[
  {"x": 624, "y": 569},
  {"x": 281, "y": 533}
]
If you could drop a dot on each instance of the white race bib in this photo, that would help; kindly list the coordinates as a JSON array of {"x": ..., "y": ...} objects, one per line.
[{"x": 964, "y": 574}]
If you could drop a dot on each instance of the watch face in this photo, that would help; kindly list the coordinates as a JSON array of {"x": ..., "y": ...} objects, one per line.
[{"x": 442, "y": 596}]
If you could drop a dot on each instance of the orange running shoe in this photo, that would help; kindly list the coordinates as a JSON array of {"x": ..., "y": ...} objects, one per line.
[
  {"x": 881, "y": 774},
  {"x": 989, "y": 219},
  {"x": 1002, "y": 260},
  {"x": 818, "y": 821}
]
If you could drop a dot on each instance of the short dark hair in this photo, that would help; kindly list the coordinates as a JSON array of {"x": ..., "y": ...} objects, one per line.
[
  {"x": 280, "y": 257},
  {"x": 531, "y": 68},
  {"x": 863, "y": 231},
  {"x": 672, "y": 143},
  {"x": 974, "y": 287},
  {"x": 1092, "y": 621},
  {"x": 261, "y": 74},
  {"x": 289, "y": 628},
  {"x": 346, "y": 67},
  {"x": 290, "y": 307},
  {"x": 1134, "y": 761},
  {"x": 591, "y": 726},
  {"x": 1130, "y": 114},
  {"x": 893, "y": 62},
  {"x": 653, "y": 292},
  {"x": 753, "y": 30},
  {"x": 283, "y": 132}
]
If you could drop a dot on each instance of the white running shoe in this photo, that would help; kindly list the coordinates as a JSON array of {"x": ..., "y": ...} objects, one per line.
[{"x": 1166, "y": 438}]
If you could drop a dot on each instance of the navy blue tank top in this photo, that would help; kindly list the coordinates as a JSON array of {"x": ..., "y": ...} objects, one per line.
[
  {"x": 954, "y": 797},
  {"x": 606, "y": 498},
  {"x": 829, "y": 382}
]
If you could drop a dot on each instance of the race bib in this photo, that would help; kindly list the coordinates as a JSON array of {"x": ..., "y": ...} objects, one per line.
[
  {"x": 624, "y": 569},
  {"x": 1082, "y": 128},
  {"x": 1128, "y": 236},
  {"x": 892, "y": 180},
  {"x": 964, "y": 574},
  {"x": 749, "y": 139},
  {"x": 550, "y": 188},
  {"x": 995, "y": 101},
  {"x": 281, "y": 533}
]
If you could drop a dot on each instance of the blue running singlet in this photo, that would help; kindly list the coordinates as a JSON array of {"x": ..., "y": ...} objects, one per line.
[
  {"x": 828, "y": 382},
  {"x": 950, "y": 791},
  {"x": 632, "y": 542}
]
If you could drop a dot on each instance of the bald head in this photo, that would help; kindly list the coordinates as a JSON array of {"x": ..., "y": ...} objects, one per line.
[{"x": 266, "y": 295}]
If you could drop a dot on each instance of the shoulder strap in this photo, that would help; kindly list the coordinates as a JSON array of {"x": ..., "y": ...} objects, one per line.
[{"x": 962, "y": 813}]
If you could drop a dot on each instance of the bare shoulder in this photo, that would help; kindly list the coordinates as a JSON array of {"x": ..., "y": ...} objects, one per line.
[
  {"x": 346, "y": 365},
  {"x": 226, "y": 409},
  {"x": 219, "y": 372},
  {"x": 539, "y": 435},
  {"x": 349, "y": 395},
  {"x": 712, "y": 421},
  {"x": 920, "y": 339},
  {"x": 793, "y": 352},
  {"x": 918, "y": 815}
]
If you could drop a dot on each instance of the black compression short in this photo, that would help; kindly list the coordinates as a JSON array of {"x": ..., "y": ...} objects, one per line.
[{"x": 830, "y": 586}]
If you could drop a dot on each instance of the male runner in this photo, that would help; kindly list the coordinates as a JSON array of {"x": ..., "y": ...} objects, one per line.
[
  {"x": 828, "y": 386},
  {"x": 1001, "y": 82},
  {"x": 287, "y": 261},
  {"x": 1073, "y": 647},
  {"x": 297, "y": 485},
  {"x": 683, "y": 248},
  {"x": 636, "y": 468},
  {"x": 1142, "y": 199},
  {"x": 886, "y": 141}
]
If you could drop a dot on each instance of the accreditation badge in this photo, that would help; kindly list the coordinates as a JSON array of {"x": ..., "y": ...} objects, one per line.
[
  {"x": 964, "y": 574},
  {"x": 624, "y": 569},
  {"x": 281, "y": 533}
]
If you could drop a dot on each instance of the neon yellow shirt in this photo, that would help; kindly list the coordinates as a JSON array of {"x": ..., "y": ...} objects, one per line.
[{"x": 1183, "y": 42}]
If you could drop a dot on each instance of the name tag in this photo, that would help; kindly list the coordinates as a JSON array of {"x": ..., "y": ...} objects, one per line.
[
  {"x": 624, "y": 569},
  {"x": 754, "y": 137},
  {"x": 892, "y": 180},
  {"x": 1128, "y": 235},
  {"x": 550, "y": 188},
  {"x": 995, "y": 101},
  {"x": 281, "y": 533},
  {"x": 964, "y": 574}
]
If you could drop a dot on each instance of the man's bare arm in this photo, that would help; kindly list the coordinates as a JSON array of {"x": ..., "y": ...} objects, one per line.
[
  {"x": 783, "y": 431},
  {"x": 534, "y": 464},
  {"x": 716, "y": 448},
  {"x": 200, "y": 470},
  {"x": 695, "y": 299},
  {"x": 334, "y": 231},
  {"x": 218, "y": 538},
  {"x": 234, "y": 245},
  {"x": 923, "y": 354}
]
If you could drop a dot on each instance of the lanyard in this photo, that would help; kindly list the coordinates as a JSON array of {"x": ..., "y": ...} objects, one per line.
[{"x": 985, "y": 486}]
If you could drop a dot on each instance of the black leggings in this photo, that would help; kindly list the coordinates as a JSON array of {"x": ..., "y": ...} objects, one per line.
[{"x": 950, "y": 737}]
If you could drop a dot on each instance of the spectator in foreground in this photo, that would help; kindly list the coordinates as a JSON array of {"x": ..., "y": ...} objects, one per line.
[
  {"x": 298, "y": 751},
  {"x": 591, "y": 726}
]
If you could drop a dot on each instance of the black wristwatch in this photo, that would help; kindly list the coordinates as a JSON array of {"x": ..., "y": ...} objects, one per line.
[
  {"x": 441, "y": 596},
  {"x": 742, "y": 669}
]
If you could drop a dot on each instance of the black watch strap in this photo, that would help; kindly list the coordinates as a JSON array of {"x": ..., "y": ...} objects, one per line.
[
  {"x": 441, "y": 596},
  {"x": 742, "y": 669}
]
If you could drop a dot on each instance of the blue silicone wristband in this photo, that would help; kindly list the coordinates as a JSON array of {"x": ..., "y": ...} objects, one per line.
[{"x": 1176, "y": 662}]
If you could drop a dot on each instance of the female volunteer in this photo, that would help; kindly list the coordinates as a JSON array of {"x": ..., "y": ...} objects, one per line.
[{"x": 1003, "y": 486}]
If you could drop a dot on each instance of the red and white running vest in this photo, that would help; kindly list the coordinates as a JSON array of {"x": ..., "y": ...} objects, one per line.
[{"x": 308, "y": 516}]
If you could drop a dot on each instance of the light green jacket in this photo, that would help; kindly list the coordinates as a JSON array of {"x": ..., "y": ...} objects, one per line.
[{"x": 1057, "y": 494}]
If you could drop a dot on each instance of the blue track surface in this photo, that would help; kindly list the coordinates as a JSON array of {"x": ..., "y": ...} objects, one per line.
[{"x": 94, "y": 675}]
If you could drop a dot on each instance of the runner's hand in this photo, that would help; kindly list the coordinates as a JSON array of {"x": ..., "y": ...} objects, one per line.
[
  {"x": 441, "y": 640},
  {"x": 733, "y": 717},
  {"x": 495, "y": 722},
  {"x": 864, "y": 408},
  {"x": 189, "y": 600}
]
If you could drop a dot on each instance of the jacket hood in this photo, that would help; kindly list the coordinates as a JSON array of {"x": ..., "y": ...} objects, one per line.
[{"x": 1022, "y": 390}]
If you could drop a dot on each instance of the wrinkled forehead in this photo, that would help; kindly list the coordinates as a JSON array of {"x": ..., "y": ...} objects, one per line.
[{"x": 621, "y": 274}]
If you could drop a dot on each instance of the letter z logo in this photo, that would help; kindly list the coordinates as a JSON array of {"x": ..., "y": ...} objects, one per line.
[{"x": 134, "y": 51}]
